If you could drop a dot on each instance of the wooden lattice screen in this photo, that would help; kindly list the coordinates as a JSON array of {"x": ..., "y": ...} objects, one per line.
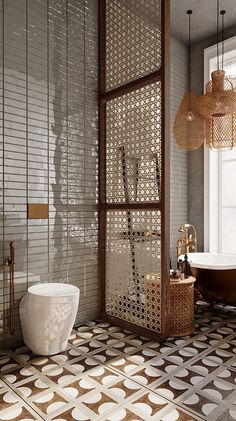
[{"x": 134, "y": 160}]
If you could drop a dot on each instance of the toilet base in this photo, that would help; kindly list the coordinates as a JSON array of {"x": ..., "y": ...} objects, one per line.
[{"x": 62, "y": 349}]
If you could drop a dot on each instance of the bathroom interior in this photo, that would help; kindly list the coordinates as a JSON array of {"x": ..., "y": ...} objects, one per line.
[{"x": 118, "y": 238}]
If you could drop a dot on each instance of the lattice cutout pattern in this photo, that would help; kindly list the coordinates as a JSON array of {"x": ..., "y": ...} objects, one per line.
[
  {"x": 133, "y": 250},
  {"x": 133, "y": 153},
  {"x": 133, "y": 40}
]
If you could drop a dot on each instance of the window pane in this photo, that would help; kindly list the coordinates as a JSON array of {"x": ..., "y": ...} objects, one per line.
[
  {"x": 228, "y": 187},
  {"x": 229, "y": 230}
]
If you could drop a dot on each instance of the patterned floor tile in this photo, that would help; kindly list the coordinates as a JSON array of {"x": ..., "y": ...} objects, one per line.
[
  {"x": 172, "y": 389},
  {"x": 57, "y": 374},
  {"x": 8, "y": 398},
  {"x": 91, "y": 406},
  {"x": 19, "y": 412},
  {"x": 99, "y": 403},
  {"x": 202, "y": 367},
  {"x": 82, "y": 365},
  {"x": 220, "y": 390},
  {"x": 2, "y": 385},
  {"x": 68, "y": 355},
  {"x": 109, "y": 373},
  {"x": 49, "y": 401},
  {"x": 228, "y": 415},
  {"x": 31, "y": 387},
  {"x": 149, "y": 406},
  {"x": 124, "y": 388},
  {"x": 103, "y": 376},
  {"x": 7, "y": 363},
  {"x": 23, "y": 354},
  {"x": 146, "y": 406},
  {"x": 223, "y": 331},
  {"x": 197, "y": 332},
  {"x": 78, "y": 388},
  {"x": 99, "y": 336},
  {"x": 106, "y": 355},
  {"x": 75, "y": 413},
  {"x": 12, "y": 407},
  {"x": 176, "y": 414},
  {"x": 44, "y": 364},
  {"x": 201, "y": 405},
  {"x": 212, "y": 345},
  {"x": 88, "y": 347},
  {"x": 18, "y": 374},
  {"x": 150, "y": 373},
  {"x": 209, "y": 320}
]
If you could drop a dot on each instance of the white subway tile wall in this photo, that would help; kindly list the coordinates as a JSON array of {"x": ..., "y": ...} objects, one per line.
[
  {"x": 178, "y": 157},
  {"x": 49, "y": 147}
]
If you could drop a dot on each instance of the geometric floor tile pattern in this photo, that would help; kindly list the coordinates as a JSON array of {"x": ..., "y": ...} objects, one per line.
[{"x": 110, "y": 374}]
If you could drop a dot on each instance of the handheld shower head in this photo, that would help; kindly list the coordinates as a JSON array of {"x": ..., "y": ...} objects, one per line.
[
  {"x": 12, "y": 251},
  {"x": 184, "y": 227}
]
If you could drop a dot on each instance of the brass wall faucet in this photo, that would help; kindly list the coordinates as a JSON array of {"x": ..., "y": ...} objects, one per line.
[{"x": 188, "y": 238}]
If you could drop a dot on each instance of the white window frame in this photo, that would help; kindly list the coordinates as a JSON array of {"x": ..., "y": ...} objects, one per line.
[{"x": 212, "y": 166}]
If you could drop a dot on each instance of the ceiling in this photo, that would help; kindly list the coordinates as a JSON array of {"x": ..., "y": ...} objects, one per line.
[{"x": 203, "y": 17}]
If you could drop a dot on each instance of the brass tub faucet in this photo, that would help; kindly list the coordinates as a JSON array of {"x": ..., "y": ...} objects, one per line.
[{"x": 188, "y": 238}]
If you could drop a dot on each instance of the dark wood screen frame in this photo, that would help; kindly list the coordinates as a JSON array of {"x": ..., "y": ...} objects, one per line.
[{"x": 164, "y": 205}]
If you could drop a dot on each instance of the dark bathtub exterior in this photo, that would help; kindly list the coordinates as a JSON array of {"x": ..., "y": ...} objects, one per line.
[{"x": 216, "y": 285}]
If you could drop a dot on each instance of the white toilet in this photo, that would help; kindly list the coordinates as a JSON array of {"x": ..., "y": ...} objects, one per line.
[{"x": 47, "y": 314}]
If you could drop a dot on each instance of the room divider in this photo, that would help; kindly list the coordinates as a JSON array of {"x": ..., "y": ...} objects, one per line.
[{"x": 134, "y": 164}]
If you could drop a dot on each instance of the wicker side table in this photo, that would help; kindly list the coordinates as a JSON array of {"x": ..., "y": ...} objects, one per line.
[{"x": 182, "y": 306}]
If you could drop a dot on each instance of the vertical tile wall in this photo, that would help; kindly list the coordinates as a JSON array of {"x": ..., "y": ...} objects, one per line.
[
  {"x": 49, "y": 142},
  {"x": 178, "y": 158}
]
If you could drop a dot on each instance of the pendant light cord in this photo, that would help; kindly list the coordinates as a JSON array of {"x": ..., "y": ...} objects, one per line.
[
  {"x": 222, "y": 12},
  {"x": 189, "y": 12}
]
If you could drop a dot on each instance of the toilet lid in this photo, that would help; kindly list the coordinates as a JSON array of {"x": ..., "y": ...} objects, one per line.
[{"x": 53, "y": 290}]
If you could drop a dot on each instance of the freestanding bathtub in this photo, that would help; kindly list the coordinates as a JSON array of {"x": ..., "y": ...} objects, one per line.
[{"x": 216, "y": 276}]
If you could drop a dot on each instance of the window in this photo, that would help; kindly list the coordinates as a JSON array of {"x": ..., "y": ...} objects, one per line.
[{"x": 220, "y": 174}]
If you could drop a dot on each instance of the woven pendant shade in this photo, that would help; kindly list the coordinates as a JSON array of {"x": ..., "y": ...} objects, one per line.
[
  {"x": 189, "y": 126},
  {"x": 221, "y": 132},
  {"x": 220, "y": 97}
]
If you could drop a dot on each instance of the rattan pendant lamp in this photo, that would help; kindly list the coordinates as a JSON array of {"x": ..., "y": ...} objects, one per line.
[
  {"x": 189, "y": 126},
  {"x": 221, "y": 129}
]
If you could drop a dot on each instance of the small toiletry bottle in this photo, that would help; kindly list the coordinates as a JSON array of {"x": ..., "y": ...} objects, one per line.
[
  {"x": 186, "y": 267},
  {"x": 181, "y": 272}
]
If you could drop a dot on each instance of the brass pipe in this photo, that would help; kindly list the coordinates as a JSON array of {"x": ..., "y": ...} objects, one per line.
[{"x": 10, "y": 262}]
